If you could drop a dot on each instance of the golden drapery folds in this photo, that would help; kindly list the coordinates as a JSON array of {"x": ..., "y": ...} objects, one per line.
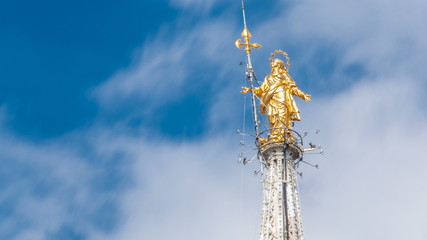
[{"x": 277, "y": 101}]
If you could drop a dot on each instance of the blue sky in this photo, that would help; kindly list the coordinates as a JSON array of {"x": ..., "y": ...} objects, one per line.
[
  {"x": 67, "y": 49},
  {"x": 118, "y": 119}
]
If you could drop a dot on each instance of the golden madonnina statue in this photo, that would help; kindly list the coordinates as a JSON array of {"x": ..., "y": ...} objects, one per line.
[{"x": 277, "y": 101}]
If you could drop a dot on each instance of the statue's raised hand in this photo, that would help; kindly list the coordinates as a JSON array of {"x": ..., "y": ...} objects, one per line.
[{"x": 245, "y": 90}]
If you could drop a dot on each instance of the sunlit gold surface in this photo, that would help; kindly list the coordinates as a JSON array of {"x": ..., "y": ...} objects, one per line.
[
  {"x": 246, "y": 37},
  {"x": 277, "y": 101}
]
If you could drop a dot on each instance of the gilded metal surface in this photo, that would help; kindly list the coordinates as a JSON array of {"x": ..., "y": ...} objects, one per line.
[
  {"x": 246, "y": 37},
  {"x": 277, "y": 100}
]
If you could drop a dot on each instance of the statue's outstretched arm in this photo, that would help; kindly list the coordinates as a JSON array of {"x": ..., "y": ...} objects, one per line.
[
  {"x": 292, "y": 86},
  {"x": 299, "y": 93},
  {"x": 295, "y": 90},
  {"x": 257, "y": 90}
]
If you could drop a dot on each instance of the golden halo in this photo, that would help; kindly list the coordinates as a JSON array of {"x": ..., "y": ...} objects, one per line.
[{"x": 288, "y": 64}]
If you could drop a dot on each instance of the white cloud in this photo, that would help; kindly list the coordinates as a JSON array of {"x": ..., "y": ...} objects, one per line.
[
  {"x": 185, "y": 191},
  {"x": 41, "y": 186},
  {"x": 370, "y": 181},
  {"x": 169, "y": 67},
  {"x": 371, "y": 175},
  {"x": 53, "y": 185},
  {"x": 383, "y": 37},
  {"x": 370, "y": 184}
]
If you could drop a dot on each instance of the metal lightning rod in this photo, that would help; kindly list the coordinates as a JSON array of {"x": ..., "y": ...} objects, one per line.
[{"x": 250, "y": 76}]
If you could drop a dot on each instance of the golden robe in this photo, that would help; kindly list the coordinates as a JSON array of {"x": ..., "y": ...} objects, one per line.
[{"x": 277, "y": 101}]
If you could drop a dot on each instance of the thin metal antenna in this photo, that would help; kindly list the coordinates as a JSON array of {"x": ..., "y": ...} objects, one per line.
[
  {"x": 243, "y": 12},
  {"x": 250, "y": 75}
]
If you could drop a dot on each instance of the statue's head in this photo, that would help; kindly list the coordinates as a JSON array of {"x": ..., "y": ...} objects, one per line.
[{"x": 277, "y": 63}]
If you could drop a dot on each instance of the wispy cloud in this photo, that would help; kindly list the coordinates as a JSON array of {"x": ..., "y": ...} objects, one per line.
[
  {"x": 369, "y": 129},
  {"x": 373, "y": 130},
  {"x": 193, "y": 189},
  {"x": 189, "y": 190},
  {"x": 376, "y": 37},
  {"x": 176, "y": 62},
  {"x": 54, "y": 186},
  {"x": 372, "y": 172}
]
